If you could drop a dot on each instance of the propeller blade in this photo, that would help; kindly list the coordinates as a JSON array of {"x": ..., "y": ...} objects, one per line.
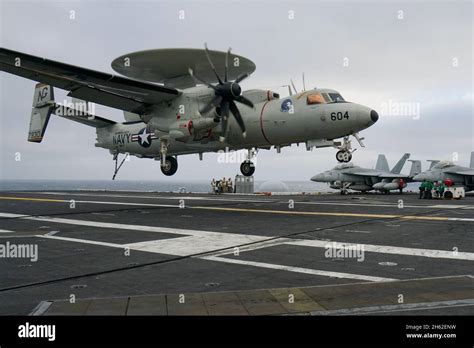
[
  {"x": 238, "y": 117},
  {"x": 227, "y": 64},
  {"x": 304, "y": 85},
  {"x": 198, "y": 79},
  {"x": 224, "y": 119},
  {"x": 212, "y": 64},
  {"x": 243, "y": 100},
  {"x": 213, "y": 103},
  {"x": 242, "y": 77}
]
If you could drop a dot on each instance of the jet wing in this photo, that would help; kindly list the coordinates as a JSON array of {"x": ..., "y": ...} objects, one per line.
[
  {"x": 381, "y": 175},
  {"x": 90, "y": 85},
  {"x": 367, "y": 173},
  {"x": 461, "y": 172},
  {"x": 394, "y": 176}
]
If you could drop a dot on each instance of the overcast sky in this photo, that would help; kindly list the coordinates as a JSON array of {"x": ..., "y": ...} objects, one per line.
[{"x": 397, "y": 52}]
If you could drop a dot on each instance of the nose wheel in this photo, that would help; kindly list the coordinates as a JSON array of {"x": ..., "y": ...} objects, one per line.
[
  {"x": 343, "y": 156},
  {"x": 170, "y": 166}
]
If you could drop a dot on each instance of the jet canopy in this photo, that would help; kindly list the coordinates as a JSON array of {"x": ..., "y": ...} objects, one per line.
[{"x": 344, "y": 166}]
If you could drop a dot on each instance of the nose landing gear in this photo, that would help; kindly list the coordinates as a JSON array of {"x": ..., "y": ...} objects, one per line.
[{"x": 345, "y": 149}]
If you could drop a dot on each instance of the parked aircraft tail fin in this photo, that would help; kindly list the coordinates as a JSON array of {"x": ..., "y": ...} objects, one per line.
[
  {"x": 432, "y": 163},
  {"x": 471, "y": 164},
  {"x": 382, "y": 163},
  {"x": 43, "y": 106},
  {"x": 415, "y": 168},
  {"x": 397, "y": 168}
]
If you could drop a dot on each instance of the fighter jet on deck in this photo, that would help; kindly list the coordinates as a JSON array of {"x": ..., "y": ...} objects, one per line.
[
  {"x": 442, "y": 170},
  {"x": 349, "y": 176}
]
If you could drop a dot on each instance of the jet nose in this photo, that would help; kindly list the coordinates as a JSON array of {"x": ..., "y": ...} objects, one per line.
[
  {"x": 318, "y": 177},
  {"x": 374, "y": 116}
]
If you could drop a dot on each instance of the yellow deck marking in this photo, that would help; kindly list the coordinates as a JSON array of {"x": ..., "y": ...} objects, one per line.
[
  {"x": 267, "y": 211},
  {"x": 34, "y": 199}
]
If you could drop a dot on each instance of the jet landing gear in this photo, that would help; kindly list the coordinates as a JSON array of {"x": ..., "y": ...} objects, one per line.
[
  {"x": 247, "y": 168},
  {"x": 345, "y": 149},
  {"x": 170, "y": 166}
]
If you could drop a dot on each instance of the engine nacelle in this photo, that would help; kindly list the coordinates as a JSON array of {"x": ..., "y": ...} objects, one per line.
[
  {"x": 259, "y": 95},
  {"x": 181, "y": 130}
]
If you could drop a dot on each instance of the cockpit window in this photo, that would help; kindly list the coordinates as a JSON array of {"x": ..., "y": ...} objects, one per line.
[
  {"x": 314, "y": 98},
  {"x": 343, "y": 166},
  {"x": 326, "y": 97},
  {"x": 336, "y": 97}
]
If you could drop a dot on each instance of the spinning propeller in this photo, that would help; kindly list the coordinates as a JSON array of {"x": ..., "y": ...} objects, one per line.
[{"x": 226, "y": 94}]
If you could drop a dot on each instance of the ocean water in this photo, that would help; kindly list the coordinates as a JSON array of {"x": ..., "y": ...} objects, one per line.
[
  {"x": 150, "y": 186},
  {"x": 160, "y": 186}
]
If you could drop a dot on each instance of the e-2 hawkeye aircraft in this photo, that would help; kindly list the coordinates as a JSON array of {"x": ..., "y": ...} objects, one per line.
[{"x": 178, "y": 102}]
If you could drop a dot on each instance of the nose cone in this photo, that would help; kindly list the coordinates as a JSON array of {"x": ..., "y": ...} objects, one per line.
[
  {"x": 321, "y": 177},
  {"x": 374, "y": 116}
]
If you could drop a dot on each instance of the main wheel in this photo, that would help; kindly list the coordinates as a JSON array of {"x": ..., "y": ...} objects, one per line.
[
  {"x": 343, "y": 156},
  {"x": 247, "y": 168},
  {"x": 170, "y": 167}
]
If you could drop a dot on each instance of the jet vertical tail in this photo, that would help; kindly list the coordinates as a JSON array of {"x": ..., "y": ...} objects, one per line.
[
  {"x": 43, "y": 106},
  {"x": 398, "y": 167},
  {"x": 471, "y": 165},
  {"x": 382, "y": 163},
  {"x": 415, "y": 168},
  {"x": 432, "y": 163}
]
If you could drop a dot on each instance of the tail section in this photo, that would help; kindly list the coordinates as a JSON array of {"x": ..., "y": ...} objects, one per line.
[
  {"x": 398, "y": 167},
  {"x": 432, "y": 163},
  {"x": 415, "y": 168},
  {"x": 382, "y": 163},
  {"x": 43, "y": 107}
]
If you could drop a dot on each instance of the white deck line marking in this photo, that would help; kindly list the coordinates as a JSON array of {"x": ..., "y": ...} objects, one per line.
[
  {"x": 397, "y": 307},
  {"x": 384, "y": 249},
  {"x": 6, "y": 231},
  {"x": 299, "y": 269},
  {"x": 177, "y": 198},
  {"x": 220, "y": 237}
]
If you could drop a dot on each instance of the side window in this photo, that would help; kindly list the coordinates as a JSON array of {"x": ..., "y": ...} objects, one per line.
[
  {"x": 326, "y": 97},
  {"x": 314, "y": 98}
]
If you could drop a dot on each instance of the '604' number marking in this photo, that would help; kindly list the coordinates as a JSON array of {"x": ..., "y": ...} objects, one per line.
[{"x": 338, "y": 116}]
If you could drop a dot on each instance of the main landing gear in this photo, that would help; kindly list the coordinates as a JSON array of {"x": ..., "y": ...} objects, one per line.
[
  {"x": 345, "y": 149},
  {"x": 247, "y": 168},
  {"x": 170, "y": 166}
]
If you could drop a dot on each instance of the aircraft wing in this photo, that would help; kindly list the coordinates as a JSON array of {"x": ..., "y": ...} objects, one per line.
[
  {"x": 462, "y": 172},
  {"x": 367, "y": 173},
  {"x": 394, "y": 176},
  {"x": 89, "y": 85}
]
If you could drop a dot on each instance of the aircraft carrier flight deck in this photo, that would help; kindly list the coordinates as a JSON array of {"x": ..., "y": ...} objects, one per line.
[{"x": 126, "y": 253}]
